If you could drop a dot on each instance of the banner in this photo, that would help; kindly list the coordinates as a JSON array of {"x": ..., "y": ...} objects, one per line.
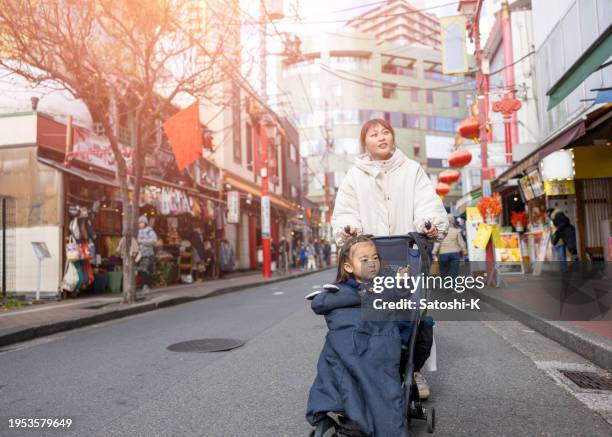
[
  {"x": 233, "y": 207},
  {"x": 265, "y": 217},
  {"x": 454, "y": 53}
]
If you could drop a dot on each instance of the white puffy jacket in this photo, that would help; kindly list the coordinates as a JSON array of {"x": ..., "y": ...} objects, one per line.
[{"x": 391, "y": 197}]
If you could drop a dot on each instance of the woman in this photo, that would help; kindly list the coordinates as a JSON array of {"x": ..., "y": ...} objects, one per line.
[
  {"x": 450, "y": 250},
  {"x": 147, "y": 238},
  {"x": 385, "y": 193}
]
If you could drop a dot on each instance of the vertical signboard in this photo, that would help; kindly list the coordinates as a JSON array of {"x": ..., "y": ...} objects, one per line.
[{"x": 233, "y": 207}]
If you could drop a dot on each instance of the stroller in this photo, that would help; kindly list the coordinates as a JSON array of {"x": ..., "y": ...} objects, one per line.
[{"x": 415, "y": 250}]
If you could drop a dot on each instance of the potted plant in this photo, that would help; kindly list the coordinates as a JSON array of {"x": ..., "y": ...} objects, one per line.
[
  {"x": 519, "y": 220},
  {"x": 490, "y": 208}
]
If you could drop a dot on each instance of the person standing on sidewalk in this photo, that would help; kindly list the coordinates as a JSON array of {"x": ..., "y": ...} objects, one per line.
[
  {"x": 564, "y": 237},
  {"x": 147, "y": 238},
  {"x": 385, "y": 193},
  {"x": 283, "y": 250},
  {"x": 311, "y": 255},
  {"x": 450, "y": 250}
]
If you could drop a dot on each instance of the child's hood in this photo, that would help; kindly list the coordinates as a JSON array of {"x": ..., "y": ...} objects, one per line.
[{"x": 336, "y": 296}]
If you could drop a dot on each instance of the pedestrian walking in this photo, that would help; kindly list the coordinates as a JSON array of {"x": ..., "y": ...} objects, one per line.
[
  {"x": 449, "y": 251},
  {"x": 147, "y": 238},
  {"x": 385, "y": 193},
  {"x": 302, "y": 256},
  {"x": 327, "y": 253}
]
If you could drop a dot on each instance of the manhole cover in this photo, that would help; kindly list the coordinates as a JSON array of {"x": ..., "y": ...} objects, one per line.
[
  {"x": 589, "y": 380},
  {"x": 206, "y": 345}
]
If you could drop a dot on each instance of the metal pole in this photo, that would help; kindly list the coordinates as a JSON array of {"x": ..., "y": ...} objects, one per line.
[
  {"x": 39, "y": 279},
  {"x": 265, "y": 205},
  {"x": 481, "y": 82},
  {"x": 263, "y": 67},
  {"x": 509, "y": 70},
  {"x": 4, "y": 249}
]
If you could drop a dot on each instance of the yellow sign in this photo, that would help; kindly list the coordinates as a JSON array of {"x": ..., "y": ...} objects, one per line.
[
  {"x": 473, "y": 215},
  {"x": 559, "y": 188},
  {"x": 482, "y": 235},
  {"x": 495, "y": 234}
]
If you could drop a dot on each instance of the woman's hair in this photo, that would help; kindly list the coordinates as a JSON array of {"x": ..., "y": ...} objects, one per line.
[
  {"x": 371, "y": 123},
  {"x": 345, "y": 254}
]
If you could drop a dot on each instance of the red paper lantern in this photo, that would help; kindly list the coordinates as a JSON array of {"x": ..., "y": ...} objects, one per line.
[
  {"x": 460, "y": 158},
  {"x": 442, "y": 189},
  {"x": 468, "y": 128},
  {"x": 449, "y": 176}
]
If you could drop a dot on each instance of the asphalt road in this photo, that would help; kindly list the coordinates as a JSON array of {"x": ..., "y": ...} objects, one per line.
[{"x": 118, "y": 378}]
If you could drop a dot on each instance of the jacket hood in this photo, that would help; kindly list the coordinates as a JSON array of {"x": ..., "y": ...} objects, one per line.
[
  {"x": 365, "y": 163},
  {"x": 346, "y": 296}
]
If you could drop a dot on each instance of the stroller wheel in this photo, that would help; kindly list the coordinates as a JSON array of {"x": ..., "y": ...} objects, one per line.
[
  {"x": 325, "y": 428},
  {"x": 431, "y": 420}
]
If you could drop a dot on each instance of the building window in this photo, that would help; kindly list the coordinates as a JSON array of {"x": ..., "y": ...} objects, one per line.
[
  {"x": 429, "y": 96},
  {"x": 414, "y": 95},
  {"x": 292, "y": 152},
  {"x": 337, "y": 89},
  {"x": 456, "y": 99},
  {"x": 350, "y": 63},
  {"x": 410, "y": 121},
  {"x": 315, "y": 90},
  {"x": 388, "y": 91},
  {"x": 249, "y": 146},
  {"x": 442, "y": 124},
  {"x": 396, "y": 119}
]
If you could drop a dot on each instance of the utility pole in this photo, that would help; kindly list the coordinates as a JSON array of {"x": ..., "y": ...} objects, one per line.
[
  {"x": 473, "y": 8},
  {"x": 510, "y": 128},
  {"x": 329, "y": 144},
  {"x": 265, "y": 196}
]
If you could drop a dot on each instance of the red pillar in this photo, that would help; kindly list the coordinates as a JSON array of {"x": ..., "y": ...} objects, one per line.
[
  {"x": 265, "y": 205},
  {"x": 509, "y": 70}
]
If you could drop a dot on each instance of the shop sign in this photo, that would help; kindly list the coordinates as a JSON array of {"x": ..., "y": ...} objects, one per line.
[
  {"x": 233, "y": 207},
  {"x": 265, "y": 216},
  {"x": 536, "y": 182},
  {"x": 96, "y": 150},
  {"x": 559, "y": 188}
]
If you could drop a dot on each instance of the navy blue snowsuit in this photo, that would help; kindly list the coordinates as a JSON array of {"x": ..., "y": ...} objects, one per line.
[{"x": 358, "y": 373}]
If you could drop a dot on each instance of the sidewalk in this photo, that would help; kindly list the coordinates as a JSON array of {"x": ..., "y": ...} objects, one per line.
[
  {"x": 523, "y": 298},
  {"x": 46, "y": 319}
]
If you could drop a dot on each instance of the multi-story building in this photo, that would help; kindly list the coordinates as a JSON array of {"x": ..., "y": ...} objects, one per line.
[
  {"x": 345, "y": 79},
  {"x": 398, "y": 21}
]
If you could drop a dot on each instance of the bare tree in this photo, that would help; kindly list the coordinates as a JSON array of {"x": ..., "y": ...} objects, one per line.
[{"x": 138, "y": 56}]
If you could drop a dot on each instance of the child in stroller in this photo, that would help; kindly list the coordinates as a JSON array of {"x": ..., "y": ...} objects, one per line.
[{"x": 359, "y": 389}]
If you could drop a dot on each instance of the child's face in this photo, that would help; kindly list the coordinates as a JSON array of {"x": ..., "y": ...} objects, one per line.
[{"x": 364, "y": 262}]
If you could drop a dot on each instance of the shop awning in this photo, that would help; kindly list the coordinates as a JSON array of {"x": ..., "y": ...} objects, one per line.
[
  {"x": 80, "y": 173},
  {"x": 590, "y": 61},
  {"x": 252, "y": 188}
]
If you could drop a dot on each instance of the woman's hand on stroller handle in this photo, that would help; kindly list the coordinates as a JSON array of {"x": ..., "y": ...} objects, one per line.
[{"x": 430, "y": 230}]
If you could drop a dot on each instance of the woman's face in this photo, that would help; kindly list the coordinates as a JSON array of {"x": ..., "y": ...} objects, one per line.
[{"x": 379, "y": 142}]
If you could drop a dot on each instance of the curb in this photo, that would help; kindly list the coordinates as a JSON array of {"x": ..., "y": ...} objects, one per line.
[
  {"x": 596, "y": 350},
  {"x": 32, "y": 332}
]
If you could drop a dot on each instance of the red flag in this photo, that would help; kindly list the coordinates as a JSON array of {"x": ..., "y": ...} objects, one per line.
[{"x": 184, "y": 133}]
